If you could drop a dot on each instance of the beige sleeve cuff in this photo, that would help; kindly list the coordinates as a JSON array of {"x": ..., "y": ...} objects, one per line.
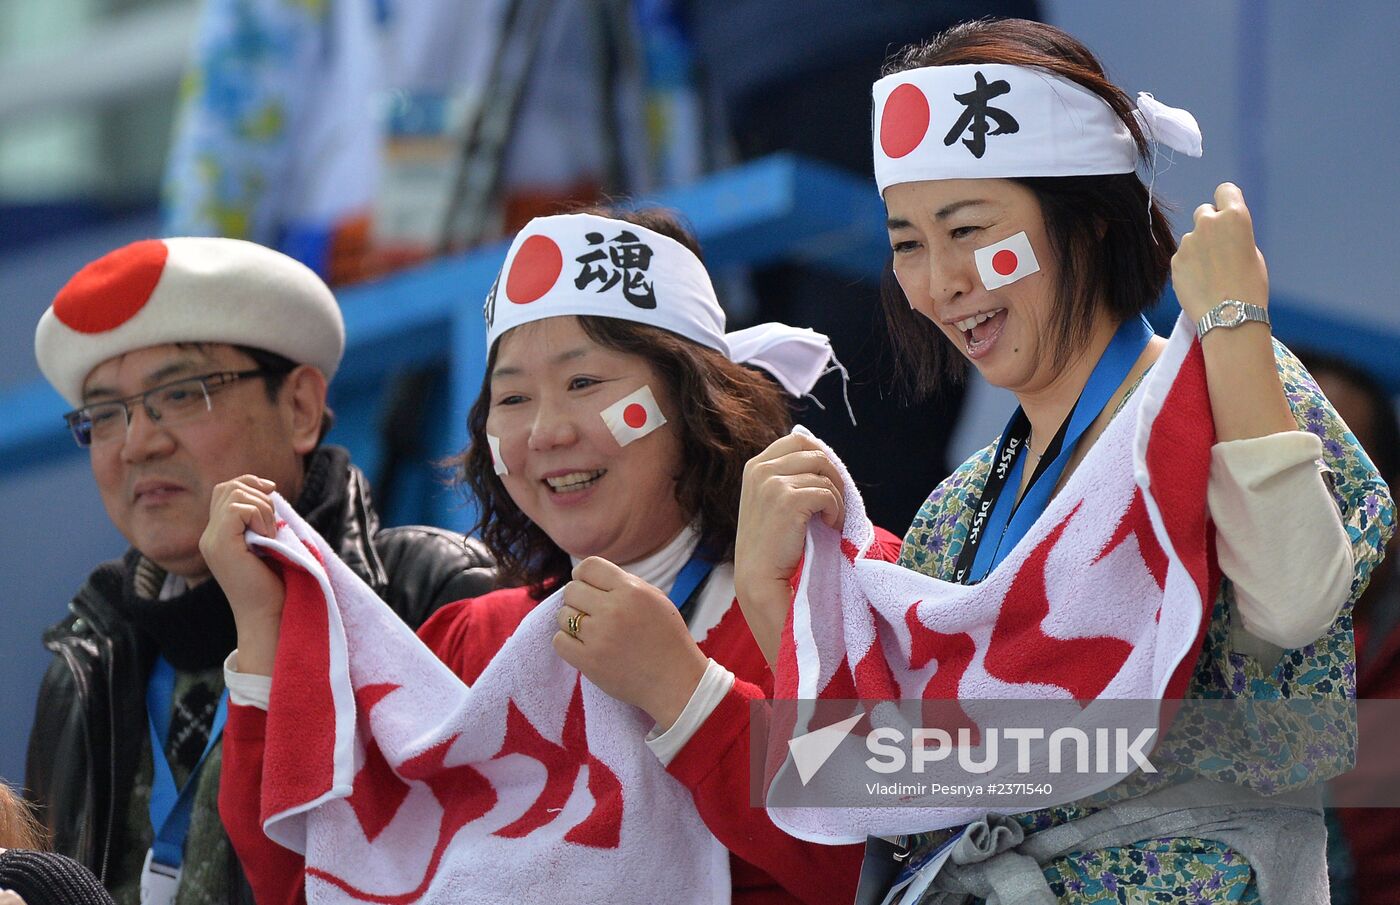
[
  {"x": 713, "y": 686},
  {"x": 1280, "y": 537},
  {"x": 245, "y": 689}
]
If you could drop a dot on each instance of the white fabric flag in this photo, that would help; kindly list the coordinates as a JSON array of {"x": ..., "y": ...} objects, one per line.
[
  {"x": 399, "y": 783},
  {"x": 1095, "y": 617}
]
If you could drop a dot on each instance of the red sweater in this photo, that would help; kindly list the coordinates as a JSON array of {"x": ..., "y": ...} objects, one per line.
[{"x": 767, "y": 866}]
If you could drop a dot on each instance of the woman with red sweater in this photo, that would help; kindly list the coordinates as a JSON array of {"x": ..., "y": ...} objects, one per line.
[{"x": 608, "y": 447}]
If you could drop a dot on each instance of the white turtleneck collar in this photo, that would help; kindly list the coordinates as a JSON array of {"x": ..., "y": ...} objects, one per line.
[{"x": 660, "y": 568}]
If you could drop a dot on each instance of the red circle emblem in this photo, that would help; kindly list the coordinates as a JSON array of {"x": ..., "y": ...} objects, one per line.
[
  {"x": 535, "y": 270},
  {"x": 904, "y": 122},
  {"x": 111, "y": 290},
  {"x": 635, "y": 415},
  {"x": 1004, "y": 262}
]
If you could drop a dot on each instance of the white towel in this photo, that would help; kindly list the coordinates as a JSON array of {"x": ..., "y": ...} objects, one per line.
[
  {"x": 1106, "y": 598},
  {"x": 399, "y": 783}
]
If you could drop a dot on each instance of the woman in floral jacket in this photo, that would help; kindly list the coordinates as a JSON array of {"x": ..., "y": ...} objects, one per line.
[{"x": 1025, "y": 244}]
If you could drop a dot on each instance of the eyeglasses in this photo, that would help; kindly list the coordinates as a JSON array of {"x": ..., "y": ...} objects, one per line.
[{"x": 169, "y": 403}]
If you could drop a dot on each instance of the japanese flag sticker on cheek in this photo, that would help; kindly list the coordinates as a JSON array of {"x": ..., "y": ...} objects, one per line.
[
  {"x": 494, "y": 443},
  {"x": 633, "y": 416},
  {"x": 1005, "y": 262}
]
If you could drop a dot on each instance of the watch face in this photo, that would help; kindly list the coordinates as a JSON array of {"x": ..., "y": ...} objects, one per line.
[{"x": 1231, "y": 314}]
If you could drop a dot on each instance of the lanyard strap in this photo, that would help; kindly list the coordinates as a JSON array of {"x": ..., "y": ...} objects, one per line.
[
  {"x": 689, "y": 578},
  {"x": 171, "y": 809},
  {"x": 1001, "y": 515}
]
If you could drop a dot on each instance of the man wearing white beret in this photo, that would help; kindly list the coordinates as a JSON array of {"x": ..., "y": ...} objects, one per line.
[{"x": 190, "y": 362}]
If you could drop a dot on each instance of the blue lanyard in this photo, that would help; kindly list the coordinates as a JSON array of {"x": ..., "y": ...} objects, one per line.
[
  {"x": 170, "y": 810},
  {"x": 695, "y": 571},
  {"x": 998, "y": 516}
]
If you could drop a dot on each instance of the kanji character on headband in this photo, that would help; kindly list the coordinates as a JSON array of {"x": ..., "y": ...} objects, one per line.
[
  {"x": 589, "y": 265},
  {"x": 988, "y": 121}
]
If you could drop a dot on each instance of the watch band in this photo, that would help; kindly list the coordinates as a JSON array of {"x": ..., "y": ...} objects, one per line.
[{"x": 1230, "y": 313}]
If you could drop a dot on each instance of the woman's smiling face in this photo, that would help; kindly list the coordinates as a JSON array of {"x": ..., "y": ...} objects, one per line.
[
  {"x": 566, "y": 471},
  {"x": 934, "y": 229}
]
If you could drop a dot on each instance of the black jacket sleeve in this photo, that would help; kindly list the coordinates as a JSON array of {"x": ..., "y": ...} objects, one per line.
[{"x": 429, "y": 567}]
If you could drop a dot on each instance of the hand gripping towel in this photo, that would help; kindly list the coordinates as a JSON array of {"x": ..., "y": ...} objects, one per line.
[
  {"x": 1105, "y": 599},
  {"x": 401, "y": 784}
]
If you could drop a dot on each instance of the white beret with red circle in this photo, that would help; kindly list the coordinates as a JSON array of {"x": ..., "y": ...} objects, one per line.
[{"x": 211, "y": 290}]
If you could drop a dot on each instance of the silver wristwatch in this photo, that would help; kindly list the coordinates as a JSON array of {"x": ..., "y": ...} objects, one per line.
[{"x": 1230, "y": 313}]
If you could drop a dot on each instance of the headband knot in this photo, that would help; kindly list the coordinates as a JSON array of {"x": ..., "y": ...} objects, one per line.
[{"x": 1172, "y": 126}]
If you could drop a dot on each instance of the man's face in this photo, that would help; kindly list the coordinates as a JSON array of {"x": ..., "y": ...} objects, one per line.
[{"x": 156, "y": 481}]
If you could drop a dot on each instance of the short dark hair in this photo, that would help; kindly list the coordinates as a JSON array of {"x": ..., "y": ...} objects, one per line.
[
  {"x": 729, "y": 414},
  {"x": 278, "y": 366},
  {"x": 1112, "y": 240}
]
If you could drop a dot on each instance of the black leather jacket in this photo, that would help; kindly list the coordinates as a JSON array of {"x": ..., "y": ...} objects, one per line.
[{"x": 89, "y": 724}]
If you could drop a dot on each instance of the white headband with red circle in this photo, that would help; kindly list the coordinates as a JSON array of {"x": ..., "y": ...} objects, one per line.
[
  {"x": 584, "y": 264},
  {"x": 990, "y": 121}
]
